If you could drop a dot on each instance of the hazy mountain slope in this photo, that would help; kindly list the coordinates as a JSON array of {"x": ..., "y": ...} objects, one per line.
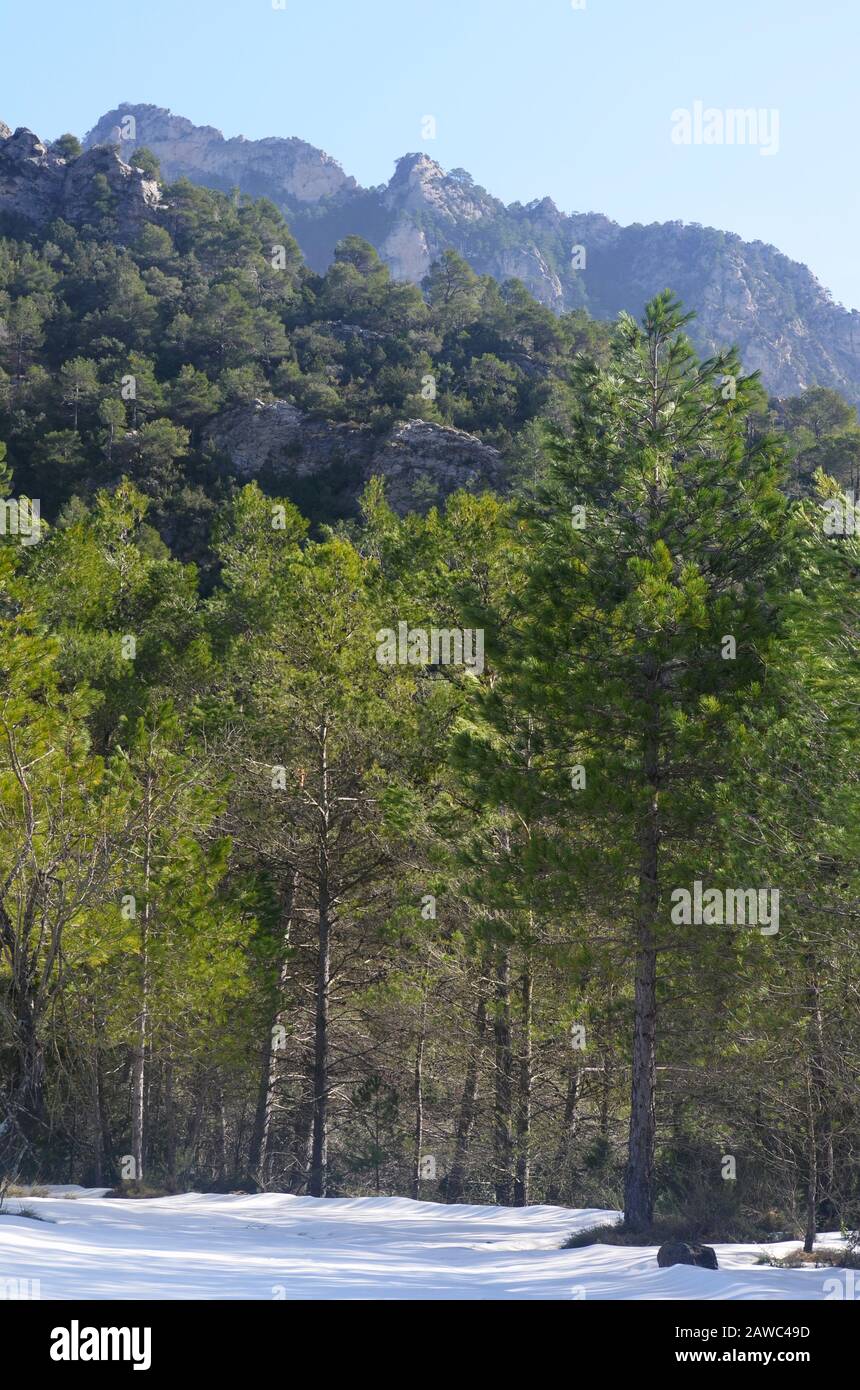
[{"x": 745, "y": 292}]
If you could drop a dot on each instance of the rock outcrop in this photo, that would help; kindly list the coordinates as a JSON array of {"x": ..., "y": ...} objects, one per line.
[
  {"x": 774, "y": 309},
  {"x": 37, "y": 186},
  {"x": 679, "y": 1252},
  {"x": 31, "y": 180},
  {"x": 421, "y": 462},
  {"x": 289, "y": 171}
]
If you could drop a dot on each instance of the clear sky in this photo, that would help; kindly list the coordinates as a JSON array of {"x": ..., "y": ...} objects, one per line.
[{"x": 533, "y": 97}]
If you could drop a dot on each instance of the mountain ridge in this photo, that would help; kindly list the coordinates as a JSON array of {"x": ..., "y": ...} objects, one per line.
[{"x": 784, "y": 321}]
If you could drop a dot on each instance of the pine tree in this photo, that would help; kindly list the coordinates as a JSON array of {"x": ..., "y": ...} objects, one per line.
[
  {"x": 658, "y": 547},
  {"x": 58, "y": 813}
]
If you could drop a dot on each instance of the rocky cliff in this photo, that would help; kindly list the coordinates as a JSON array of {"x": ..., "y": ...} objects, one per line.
[
  {"x": 37, "y": 186},
  {"x": 420, "y": 461},
  {"x": 288, "y": 171},
  {"x": 784, "y": 321}
]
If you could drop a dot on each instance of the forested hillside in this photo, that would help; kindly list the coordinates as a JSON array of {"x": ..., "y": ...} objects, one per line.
[
  {"x": 347, "y": 854},
  {"x": 118, "y": 352}
]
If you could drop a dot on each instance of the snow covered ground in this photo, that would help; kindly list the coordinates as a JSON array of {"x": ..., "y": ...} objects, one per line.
[{"x": 279, "y": 1247}]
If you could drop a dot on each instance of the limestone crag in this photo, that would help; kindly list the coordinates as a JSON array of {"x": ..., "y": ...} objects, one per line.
[
  {"x": 37, "y": 186},
  {"x": 420, "y": 461},
  {"x": 285, "y": 170}
]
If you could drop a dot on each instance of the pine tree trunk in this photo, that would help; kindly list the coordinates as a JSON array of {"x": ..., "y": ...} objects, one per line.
[
  {"x": 195, "y": 1121},
  {"x": 826, "y": 1175},
  {"x": 468, "y": 1105},
  {"x": 169, "y": 1124},
  {"x": 605, "y": 1093},
  {"x": 259, "y": 1146},
  {"x": 811, "y": 1168},
  {"x": 28, "y": 1086},
  {"x": 556, "y": 1191},
  {"x": 138, "y": 1088},
  {"x": 815, "y": 1083},
  {"x": 319, "y": 1144},
  {"x": 96, "y": 1119},
  {"x": 503, "y": 1118},
  {"x": 303, "y": 1128},
  {"x": 23, "y": 1125},
  {"x": 138, "y": 1085},
  {"x": 223, "y": 1162},
  {"x": 418, "y": 1093},
  {"x": 524, "y": 1099},
  {"x": 639, "y": 1177}
]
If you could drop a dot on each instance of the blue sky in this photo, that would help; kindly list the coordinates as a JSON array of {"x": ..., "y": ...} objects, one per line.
[{"x": 533, "y": 97}]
